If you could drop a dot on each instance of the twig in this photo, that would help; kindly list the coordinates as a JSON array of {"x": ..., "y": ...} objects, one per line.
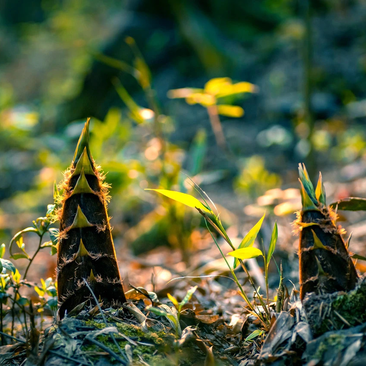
[
  {"x": 69, "y": 358},
  {"x": 105, "y": 348},
  {"x": 14, "y": 338}
]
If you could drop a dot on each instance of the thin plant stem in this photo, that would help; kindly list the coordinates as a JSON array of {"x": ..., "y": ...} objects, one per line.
[
  {"x": 13, "y": 313},
  {"x": 222, "y": 232},
  {"x": 252, "y": 308},
  {"x": 216, "y": 126},
  {"x": 34, "y": 255},
  {"x": 266, "y": 278}
]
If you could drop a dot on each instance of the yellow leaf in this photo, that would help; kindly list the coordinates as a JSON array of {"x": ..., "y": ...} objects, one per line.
[
  {"x": 230, "y": 110},
  {"x": 246, "y": 253},
  {"x": 16, "y": 276},
  {"x": 217, "y": 85},
  {"x": 204, "y": 99},
  {"x": 238, "y": 88},
  {"x": 173, "y": 300},
  {"x": 39, "y": 291},
  {"x": 184, "y": 198}
]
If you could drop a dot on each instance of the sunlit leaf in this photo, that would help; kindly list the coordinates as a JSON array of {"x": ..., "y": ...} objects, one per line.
[
  {"x": 184, "y": 198},
  {"x": 246, "y": 253},
  {"x": 217, "y": 85},
  {"x": 238, "y": 88},
  {"x": 320, "y": 191},
  {"x": 16, "y": 276},
  {"x": 230, "y": 110},
  {"x": 39, "y": 291},
  {"x": 173, "y": 300},
  {"x": 249, "y": 239},
  {"x": 204, "y": 99},
  {"x": 350, "y": 204},
  {"x": 188, "y": 296},
  {"x": 272, "y": 244}
]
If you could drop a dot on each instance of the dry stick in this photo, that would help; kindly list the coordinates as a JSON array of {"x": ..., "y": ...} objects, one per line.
[
  {"x": 227, "y": 239},
  {"x": 105, "y": 321}
]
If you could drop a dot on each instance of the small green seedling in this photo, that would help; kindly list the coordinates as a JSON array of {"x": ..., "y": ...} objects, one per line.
[
  {"x": 173, "y": 314},
  {"x": 245, "y": 250}
]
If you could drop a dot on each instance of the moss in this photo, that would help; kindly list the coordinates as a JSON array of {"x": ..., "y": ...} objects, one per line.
[
  {"x": 160, "y": 339},
  {"x": 335, "y": 341},
  {"x": 352, "y": 305}
]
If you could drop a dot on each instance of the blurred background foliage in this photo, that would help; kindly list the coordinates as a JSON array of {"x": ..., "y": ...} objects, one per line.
[{"x": 125, "y": 63}]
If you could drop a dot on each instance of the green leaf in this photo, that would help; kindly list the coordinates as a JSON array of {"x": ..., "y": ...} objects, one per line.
[
  {"x": 49, "y": 244},
  {"x": 188, "y": 296},
  {"x": 350, "y": 204},
  {"x": 309, "y": 201},
  {"x": 184, "y": 198},
  {"x": 272, "y": 245},
  {"x": 249, "y": 239},
  {"x": 157, "y": 311},
  {"x": 83, "y": 142},
  {"x": 19, "y": 256},
  {"x": 357, "y": 256},
  {"x": 18, "y": 239},
  {"x": 4, "y": 263},
  {"x": 253, "y": 335},
  {"x": 170, "y": 314},
  {"x": 246, "y": 253}
]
